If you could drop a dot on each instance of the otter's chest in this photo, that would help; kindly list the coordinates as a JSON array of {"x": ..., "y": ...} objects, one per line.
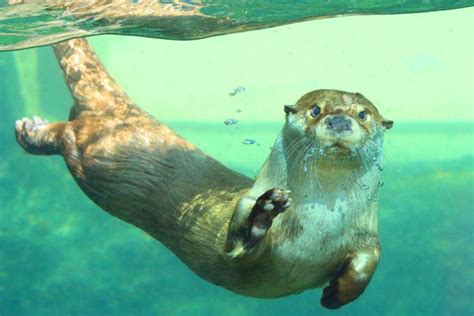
[
  {"x": 313, "y": 239},
  {"x": 314, "y": 228}
]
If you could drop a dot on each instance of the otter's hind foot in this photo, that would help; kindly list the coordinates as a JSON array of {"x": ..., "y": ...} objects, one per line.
[{"x": 37, "y": 136}]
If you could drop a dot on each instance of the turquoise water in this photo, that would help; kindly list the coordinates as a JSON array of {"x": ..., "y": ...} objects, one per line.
[
  {"x": 62, "y": 255},
  {"x": 42, "y": 22}
]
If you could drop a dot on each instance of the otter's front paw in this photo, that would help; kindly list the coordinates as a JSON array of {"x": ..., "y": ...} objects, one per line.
[
  {"x": 266, "y": 208},
  {"x": 330, "y": 298},
  {"x": 342, "y": 290}
]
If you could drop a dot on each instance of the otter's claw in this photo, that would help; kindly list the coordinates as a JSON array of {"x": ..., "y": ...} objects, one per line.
[
  {"x": 25, "y": 127},
  {"x": 279, "y": 200}
]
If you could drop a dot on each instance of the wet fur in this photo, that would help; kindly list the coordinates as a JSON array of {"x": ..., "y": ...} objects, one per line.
[
  {"x": 327, "y": 219},
  {"x": 139, "y": 170}
]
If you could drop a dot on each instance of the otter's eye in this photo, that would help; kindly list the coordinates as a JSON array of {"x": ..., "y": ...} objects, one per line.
[
  {"x": 363, "y": 115},
  {"x": 315, "y": 111}
]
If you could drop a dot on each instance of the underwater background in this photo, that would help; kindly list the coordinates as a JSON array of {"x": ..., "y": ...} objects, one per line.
[{"x": 62, "y": 255}]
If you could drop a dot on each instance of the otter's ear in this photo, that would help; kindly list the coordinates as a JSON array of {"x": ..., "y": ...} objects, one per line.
[
  {"x": 387, "y": 124},
  {"x": 290, "y": 109}
]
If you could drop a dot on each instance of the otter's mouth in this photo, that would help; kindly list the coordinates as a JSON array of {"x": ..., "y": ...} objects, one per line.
[{"x": 338, "y": 147}]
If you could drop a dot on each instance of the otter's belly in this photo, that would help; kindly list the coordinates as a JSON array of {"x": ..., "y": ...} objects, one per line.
[{"x": 315, "y": 243}]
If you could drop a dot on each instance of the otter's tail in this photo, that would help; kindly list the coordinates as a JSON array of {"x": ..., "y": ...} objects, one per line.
[{"x": 93, "y": 89}]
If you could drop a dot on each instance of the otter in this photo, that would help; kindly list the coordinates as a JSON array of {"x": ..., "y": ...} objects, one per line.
[{"x": 308, "y": 220}]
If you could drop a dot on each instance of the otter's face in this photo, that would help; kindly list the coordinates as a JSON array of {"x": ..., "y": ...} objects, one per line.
[{"x": 336, "y": 122}]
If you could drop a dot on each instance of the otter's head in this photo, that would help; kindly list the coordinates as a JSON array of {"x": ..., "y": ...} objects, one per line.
[{"x": 334, "y": 123}]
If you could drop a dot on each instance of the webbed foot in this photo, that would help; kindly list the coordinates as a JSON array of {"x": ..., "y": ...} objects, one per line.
[{"x": 37, "y": 136}]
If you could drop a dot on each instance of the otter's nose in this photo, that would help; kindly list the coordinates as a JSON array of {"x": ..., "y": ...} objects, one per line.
[{"x": 338, "y": 123}]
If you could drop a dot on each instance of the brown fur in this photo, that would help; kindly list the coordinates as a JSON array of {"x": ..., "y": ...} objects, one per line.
[
  {"x": 332, "y": 102},
  {"x": 139, "y": 170}
]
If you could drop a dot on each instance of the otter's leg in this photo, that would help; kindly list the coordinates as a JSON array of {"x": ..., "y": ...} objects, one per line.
[
  {"x": 251, "y": 220},
  {"x": 352, "y": 278},
  {"x": 38, "y": 136}
]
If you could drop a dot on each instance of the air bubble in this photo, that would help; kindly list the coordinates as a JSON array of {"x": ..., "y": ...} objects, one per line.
[
  {"x": 230, "y": 121},
  {"x": 379, "y": 166},
  {"x": 249, "y": 141},
  {"x": 237, "y": 91}
]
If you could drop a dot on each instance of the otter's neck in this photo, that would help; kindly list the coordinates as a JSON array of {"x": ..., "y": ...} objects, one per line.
[{"x": 321, "y": 180}]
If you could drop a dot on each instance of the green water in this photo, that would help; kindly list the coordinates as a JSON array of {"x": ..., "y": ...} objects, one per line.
[{"x": 61, "y": 255}]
